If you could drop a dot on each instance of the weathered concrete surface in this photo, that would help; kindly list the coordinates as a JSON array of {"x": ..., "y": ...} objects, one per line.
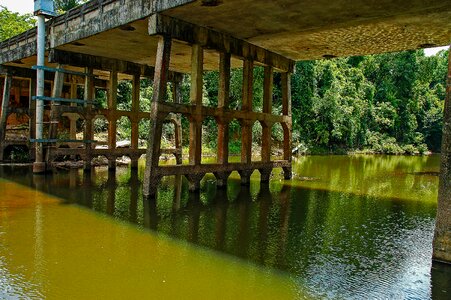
[
  {"x": 442, "y": 237},
  {"x": 297, "y": 29},
  {"x": 309, "y": 29}
]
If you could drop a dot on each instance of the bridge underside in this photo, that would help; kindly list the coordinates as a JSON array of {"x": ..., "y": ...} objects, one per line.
[{"x": 111, "y": 40}]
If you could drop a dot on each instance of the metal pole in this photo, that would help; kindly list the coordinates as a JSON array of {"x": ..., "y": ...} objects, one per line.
[{"x": 39, "y": 164}]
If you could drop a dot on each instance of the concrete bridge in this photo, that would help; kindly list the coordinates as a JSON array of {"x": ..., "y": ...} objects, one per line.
[{"x": 104, "y": 41}]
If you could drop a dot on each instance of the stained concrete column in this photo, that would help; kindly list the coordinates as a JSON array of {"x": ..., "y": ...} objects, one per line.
[
  {"x": 223, "y": 124},
  {"x": 177, "y": 95},
  {"x": 57, "y": 91},
  {"x": 156, "y": 121},
  {"x": 197, "y": 68},
  {"x": 136, "y": 85},
  {"x": 246, "y": 126},
  {"x": 267, "y": 108},
  {"x": 442, "y": 235},
  {"x": 32, "y": 114},
  {"x": 286, "y": 111},
  {"x": 88, "y": 132},
  {"x": 112, "y": 121},
  {"x": 4, "y": 112}
]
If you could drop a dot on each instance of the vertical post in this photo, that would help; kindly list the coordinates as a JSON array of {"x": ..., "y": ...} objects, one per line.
[
  {"x": 32, "y": 112},
  {"x": 4, "y": 112},
  {"x": 223, "y": 102},
  {"x": 88, "y": 133},
  {"x": 195, "y": 147},
  {"x": 267, "y": 108},
  {"x": 286, "y": 110},
  {"x": 177, "y": 94},
  {"x": 39, "y": 164},
  {"x": 156, "y": 121},
  {"x": 112, "y": 122},
  {"x": 53, "y": 128},
  {"x": 246, "y": 130},
  {"x": 442, "y": 235},
  {"x": 136, "y": 85}
]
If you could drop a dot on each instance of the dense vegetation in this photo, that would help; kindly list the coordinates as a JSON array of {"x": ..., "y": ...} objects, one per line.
[{"x": 388, "y": 103}]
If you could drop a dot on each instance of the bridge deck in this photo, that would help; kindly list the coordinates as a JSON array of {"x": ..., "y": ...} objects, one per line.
[{"x": 296, "y": 29}]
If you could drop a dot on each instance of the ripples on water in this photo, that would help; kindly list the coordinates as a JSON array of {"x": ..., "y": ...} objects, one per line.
[{"x": 362, "y": 228}]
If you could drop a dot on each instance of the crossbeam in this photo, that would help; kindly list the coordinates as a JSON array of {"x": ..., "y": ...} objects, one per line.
[{"x": 211, "y": 39}]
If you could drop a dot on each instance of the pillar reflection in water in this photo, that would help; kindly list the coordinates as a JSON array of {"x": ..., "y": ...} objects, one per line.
[
  {"x": 134, "y": 194},
  {"x": 111, "y": 186},
  {"x": 150, "y": 213}
]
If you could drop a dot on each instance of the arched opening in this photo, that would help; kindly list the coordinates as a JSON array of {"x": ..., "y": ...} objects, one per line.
[
  {"x": 16, "y": 153},
  {"x": 100, "y": 129},
  {"x": 124, "y": 132},
  {"x": 234, "y": 141},
  {"x": 256, "y": 141}
]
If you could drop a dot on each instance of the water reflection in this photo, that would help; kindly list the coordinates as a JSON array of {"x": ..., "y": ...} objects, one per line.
[{"x": 345, "y": 227}]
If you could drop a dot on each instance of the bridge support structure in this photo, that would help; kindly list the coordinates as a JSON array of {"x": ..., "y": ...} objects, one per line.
[{"x": 202, "y": 39}]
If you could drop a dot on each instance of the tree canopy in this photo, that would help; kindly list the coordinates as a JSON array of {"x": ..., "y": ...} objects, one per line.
[{"x": 12, "y": 23}]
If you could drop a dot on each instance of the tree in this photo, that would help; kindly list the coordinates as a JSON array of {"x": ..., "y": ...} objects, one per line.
[
  {"x": 12, "y": 23},
  {"x": 61, "y": 6}
]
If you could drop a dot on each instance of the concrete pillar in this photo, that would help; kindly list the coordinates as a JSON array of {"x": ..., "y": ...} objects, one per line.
[
  {"x": 88, "y": 132},
  {"x": 112, "y": 121},
  {"x": 267, "y": 108},
  {"x": 223, "y": 102},
  {"x": 39, "y": 164},
  {"x": 135, "y": 110},
  {"x": 4, "y": 111},
  {"x": 151, "y": 179},
  {"x": 57, "y": 91},
  {"x": 246, "y": 127},
  {"x": 177, "y": 95},
  {"x": 442, "y": 235},
  {"x": 32, "y": 114},
  {"x": 286, "y": 111},
  {"x": 195, "y": 147}
]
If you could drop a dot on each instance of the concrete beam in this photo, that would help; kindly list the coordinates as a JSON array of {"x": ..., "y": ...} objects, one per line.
[
  {"x": 99, "y": 63},
  {"x": 211, "y": 39}
]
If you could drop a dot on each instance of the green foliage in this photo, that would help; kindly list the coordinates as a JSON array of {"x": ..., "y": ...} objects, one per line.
[
  {"x": 12, "y": 23},
  {"x": 61, "y": 6}
]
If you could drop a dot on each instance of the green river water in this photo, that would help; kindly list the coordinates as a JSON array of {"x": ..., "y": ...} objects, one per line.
[{"x": 354, "y": 227}]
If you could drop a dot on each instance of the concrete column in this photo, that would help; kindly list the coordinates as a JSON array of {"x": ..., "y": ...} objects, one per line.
[
  {"x": 267, "y": 108},
  {"x": 223, "y": 102},
  {"x": 4, "y": 111},
  {"x": 286, "y": 110},
  {"x": 57, "y": 90},
  {"x": 246, "y": 127},
  {"x": 177, "y": 95},
  {"x": 156, "y": 121},
  {"x": 39, "y": 164},
  {"x": 32, "y": 114},
  {"x": 195, "y": 147},
  {"x": 442, "y": 236},
  {"x": 135, "y": 109},
  {"x": 112, "y": 121},
  {"x": 88, "y": 132}
]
